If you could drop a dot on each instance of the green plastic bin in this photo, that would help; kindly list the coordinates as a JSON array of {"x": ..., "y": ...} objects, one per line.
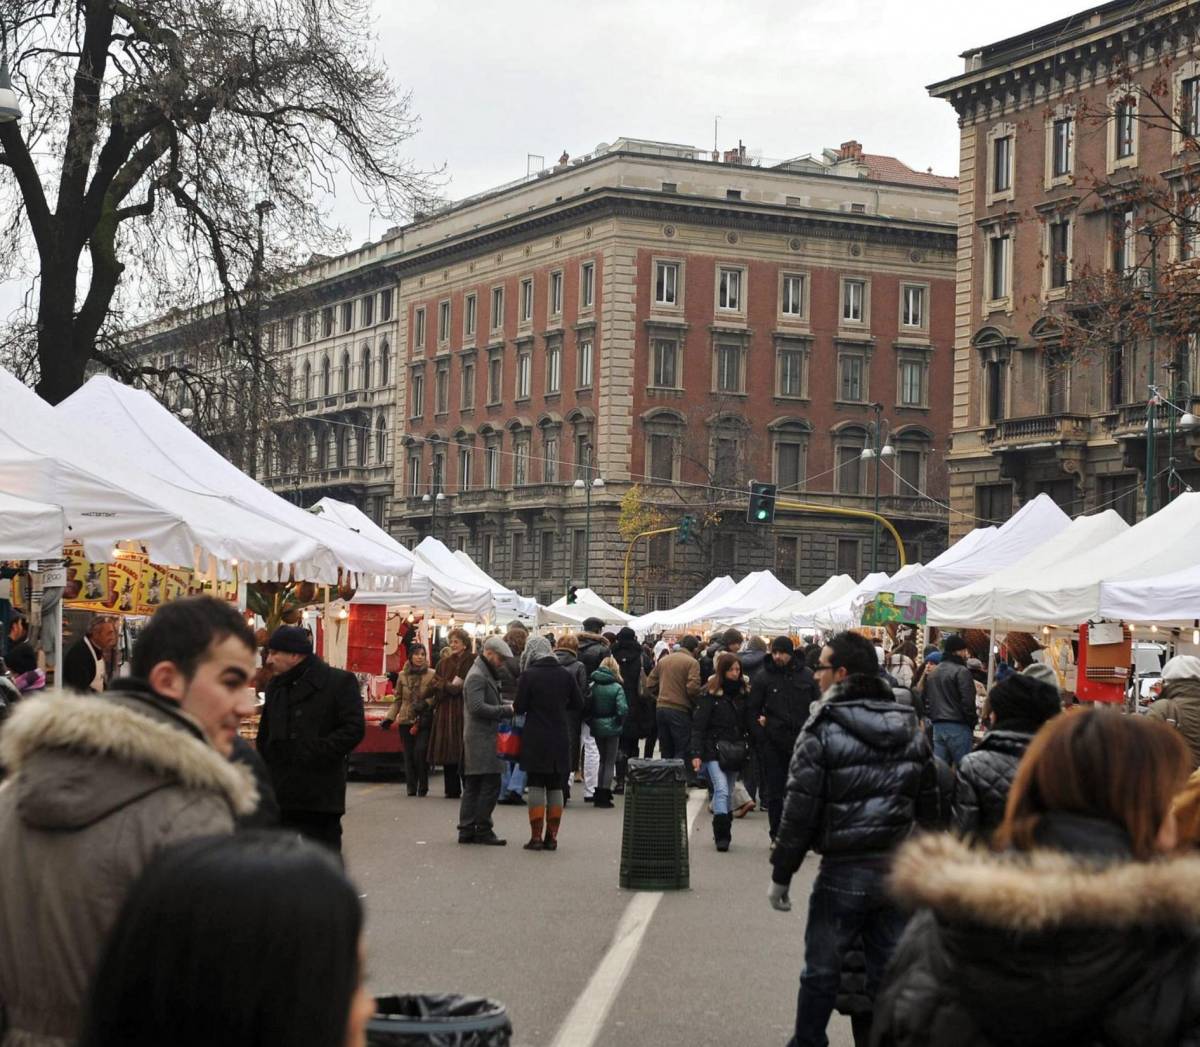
[{"x": 654, "y": 837}]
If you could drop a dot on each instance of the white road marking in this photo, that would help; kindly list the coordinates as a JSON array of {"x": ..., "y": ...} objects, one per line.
[{"x": 583, "y": 1025}]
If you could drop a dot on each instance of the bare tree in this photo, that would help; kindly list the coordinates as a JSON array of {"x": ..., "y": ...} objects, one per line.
[{"x": 152, "y": 131}]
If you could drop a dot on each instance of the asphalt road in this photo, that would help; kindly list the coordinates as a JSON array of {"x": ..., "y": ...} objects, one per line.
[{"x": 711, "y": 965}]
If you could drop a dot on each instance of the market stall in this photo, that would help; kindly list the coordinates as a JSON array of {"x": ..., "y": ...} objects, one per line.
[
  {"x": 651, "y": 622},
  {"x": 30, "y": 530},
  {"x": 588, "y": 604},
  {"x": 778, "y": 619}
]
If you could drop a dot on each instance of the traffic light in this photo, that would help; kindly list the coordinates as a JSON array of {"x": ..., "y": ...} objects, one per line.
[
  {"x": 684, "y": 532},
  {"x": 573, "y": 594},
  {"x": 761, "y": 509}
]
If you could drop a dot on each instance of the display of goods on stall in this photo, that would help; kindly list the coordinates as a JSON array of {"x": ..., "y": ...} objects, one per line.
[
  {"x": 1105, "y": 655},
  {"x": 884, "y": 609},
  {"x": 132, "y": 585}
]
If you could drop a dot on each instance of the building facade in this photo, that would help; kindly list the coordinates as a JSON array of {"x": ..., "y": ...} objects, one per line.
[{"x": 1075, "y": 139}]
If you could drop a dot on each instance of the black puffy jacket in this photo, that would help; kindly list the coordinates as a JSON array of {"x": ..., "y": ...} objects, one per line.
[
  {"x": 862, "y": 775},
  {"x": 593, "y": 650},
  {"x": 717, "y": 718},
  {"x": 631, "y": 658},
  {"x": 785, "y": 696},
  {"x": 950, "y": 693},
  {"x": 1066, "y": 945},
  {"x": 984, "y": 778}
]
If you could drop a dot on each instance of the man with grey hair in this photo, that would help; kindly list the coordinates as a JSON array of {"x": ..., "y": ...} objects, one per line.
[{"x": 483, "y": 708}]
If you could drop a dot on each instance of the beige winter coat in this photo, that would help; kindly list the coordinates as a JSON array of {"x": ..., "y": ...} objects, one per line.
[{"x": 97, "y": 786}]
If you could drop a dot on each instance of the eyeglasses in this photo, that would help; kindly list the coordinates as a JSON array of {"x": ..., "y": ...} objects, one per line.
[{"x": 823, "y": 668}]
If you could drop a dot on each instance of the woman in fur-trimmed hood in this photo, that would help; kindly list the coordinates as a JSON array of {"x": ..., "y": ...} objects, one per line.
[{"x": 1078, "y": 929}]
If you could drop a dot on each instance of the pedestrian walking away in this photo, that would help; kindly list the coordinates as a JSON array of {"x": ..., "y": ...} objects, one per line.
[
  {"x": 446, "y": 733},
  {"x": 605, "y": 711},
  {"x": 566, "y": 651},
  {"x": 1077, "y": 927},
  {"x": 781, "y": 696},
  {"x": 950, "y": 702},
  {"x": 718, "y": 742},
  {"x": 546, "y": 693},
  {"x": 675, "y": 683},
  {"x": 97, "y": 786},
  {"x": 632, "y": 657},
  {"x": 311, "y": 721},
  {"x": 413, "y": 712},
  {"x": 861, "y": 779},
  {"x": 483, "y": 709}
]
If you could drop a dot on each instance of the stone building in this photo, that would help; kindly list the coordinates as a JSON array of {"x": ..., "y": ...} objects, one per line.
[{"x": 1068, "y": 134}]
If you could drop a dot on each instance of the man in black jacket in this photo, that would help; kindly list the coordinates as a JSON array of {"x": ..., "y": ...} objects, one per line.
[
  {"x": 861, "y": 778},
  {"x": 781, "y": 696},
  {"x": 311, "y": 722},
  {"x": 950, "y": 702}
]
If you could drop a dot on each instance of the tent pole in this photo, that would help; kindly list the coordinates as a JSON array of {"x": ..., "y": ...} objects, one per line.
[{"x": 992, "y": 655}]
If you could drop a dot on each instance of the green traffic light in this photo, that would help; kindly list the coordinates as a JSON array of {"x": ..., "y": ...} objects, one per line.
[{"x": 762, "y": 514}]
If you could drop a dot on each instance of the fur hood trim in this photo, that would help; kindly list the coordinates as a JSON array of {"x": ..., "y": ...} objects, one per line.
[
  {"x": 1043, "y": 889},
  {"x": 96, "y": 726}
]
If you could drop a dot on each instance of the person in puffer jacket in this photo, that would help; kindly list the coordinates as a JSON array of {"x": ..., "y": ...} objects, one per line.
[
  {"x": 605, "y": 711},
  {"x": 862, "y": 777},
  {"x": 1019, "y": 706}
]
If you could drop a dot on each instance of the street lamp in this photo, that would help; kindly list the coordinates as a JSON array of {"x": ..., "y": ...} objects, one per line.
[
  {"x": 582, "y": 485},
  {"x": 1178, "y": 418},
  {"x": 875, "y": 452},
  {"x": 436, "y": 500}
]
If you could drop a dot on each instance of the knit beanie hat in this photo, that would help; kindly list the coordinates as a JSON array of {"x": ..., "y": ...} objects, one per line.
[
  {"x": 783, "y": 645},
  {"x": 1040, "y": 671},
  {"x": 538, "y": 647},
  {"x": 291, "y": 639},
  {"x": 1026, "y": 698}
]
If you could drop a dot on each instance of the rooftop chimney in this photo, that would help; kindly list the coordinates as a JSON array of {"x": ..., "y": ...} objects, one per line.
[{"x": 850, "y": 150}]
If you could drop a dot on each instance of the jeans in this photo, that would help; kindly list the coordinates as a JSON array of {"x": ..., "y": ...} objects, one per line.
[
  {"x": 608, "y": 760},
  {"x": 952, "y": 741},
  {"x": 416, "y": 769},
  {"x": 512, "y": 779},
  {"x": 847, "y": 900},
  {"x": 674, "y": 733},
  {"x": 722, "y": 786},
  {"x": 479, "y": 796}
]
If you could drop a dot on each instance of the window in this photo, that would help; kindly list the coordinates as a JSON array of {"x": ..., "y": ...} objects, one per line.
[
  {"x": 729, "y": 290},
  {"x": 994, "y": 391},
  {"x": 556, "y": 294},
  {"x": 381, "y": 442},
  {"x": 546, "y": 559},
  {"x": 725, "y": 461},
  {"x": 848, "y": 460},
  {"x": 366, "y": 367},
  {"x": 385, "y": 305},
  {"x": 464, "y": 468},
  {"x": 1120, "y": 493},
  {"x": 467, "y": 398},
  {"x": 583, "y": 376},
  {"x": 470, "y": 303},
  {"x": 497, "y": 317},
  {"x": 999, "y": 254},
  {"x": 662, "y": 458},
  {"x": 789, "y": 462},
  {"x": 848, "y": 556},
  {"x": 488, "y": 553},
  {"x": 550, "y": 459},
  {"x": 910, "y": 463},
  {"x": 1062, "y": 134},
  {"x": 385, "y": 363},
  {"x": 1118, "y": 372},
  {"x": 366, "y": 311},
  {"x": 1124, "y": 240},
  {"x": 289, "y": 333},
  {"x": 1189, "y": 109},
  {"x": 1189, "y": 235},
  {"x": 521, "y": 460},
  {"x": 347, "y": 316},
  {"x": 913, "y": 309},
  {"x": 792, "y": 380},
  {"x": 553, "y": 367},
  {"x": 441, "y": 389},
  {"x": 787, "y": 554},
  {"x": 579, "y": 552},
  {"x": 733, "y": 194},
  {"x": 1060, "y": 250},
  {"x": 438, "y": 472},
  {"x": 523, "y": 373},
  {"x": 345, "y": 372},
  {"x": 912, "y": 382},
  {"x": 491, "y": 466},
  {"x": 665, "y": 363},
  {"x": 326, "y": 377},
  {"x": 526, "y": 301},
  {"x": 1002, "y": 164},
  {"x": 583, "y": 455},
  {"x": 854, "y": 293},
  {"x": 309, "y": 326},
  {"x": 416, "y": 395},
  {"x": 443, "y": 321},
  {"x": 495, "y": 376},
  {"x": 307, "y": 388},
  {"x": 414, "y": 475},
  {"x": 327, "y": 321},
  {"x": 518, "y": 553},
  {"x": 587, "y": 285},
  {"x": 729, "y": 369},
  {"x": 850, "y": 377},
  {"x": 792, "y": 300},
  {"x": 993, "y": 503},
  {"x": 1056, "y": 371},
  {"x": 1125, "y": 119},
  {"x": 419, "y": 328},
  {"x": 666, "y": 283}
]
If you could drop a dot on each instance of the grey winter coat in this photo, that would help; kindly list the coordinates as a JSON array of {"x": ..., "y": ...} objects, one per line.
[
  {"x": 483, "y": 708},
  {"x": 99, "y": 785}
]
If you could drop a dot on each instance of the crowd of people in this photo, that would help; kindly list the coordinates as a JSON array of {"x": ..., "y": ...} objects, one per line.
[{"x": 994, "y": 867}]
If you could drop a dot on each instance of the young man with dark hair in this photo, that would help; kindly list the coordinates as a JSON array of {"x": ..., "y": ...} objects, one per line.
[
  {"x": 950, "y": 702},
  {"x": 675, "y": 684},
  {"x": 99, "y": 785},
  {"x": 861, "y": 778}
]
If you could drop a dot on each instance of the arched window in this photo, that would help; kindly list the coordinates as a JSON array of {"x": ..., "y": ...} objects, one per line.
[
  {"x": 380, "y": 441},
  {"x": 362, "y": 441},
  {"x": 849, "y": 442},
  {"x": 326, "y": 378},
  {"x": 366, "y": 367},
  {"x": 307, "y": 379},
  {"x": 321, "y": 443},
  {"x": 345, "y": 372},
  {"x": 385, "y": 361},
  {"x": 341, "y": 441}
]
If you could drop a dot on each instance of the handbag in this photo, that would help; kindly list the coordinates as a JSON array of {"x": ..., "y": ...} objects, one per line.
[
  {"x": 731, "y": 756},
  {"x": 508, "y": 738}
]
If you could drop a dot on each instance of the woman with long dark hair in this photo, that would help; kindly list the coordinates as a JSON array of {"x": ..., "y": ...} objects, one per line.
[
  {"x": 1076, "y": 928},
  {"x": 247, "y": 939},
  {"x": 719, "y": 743},
  {"x": 446, "y": 699}
]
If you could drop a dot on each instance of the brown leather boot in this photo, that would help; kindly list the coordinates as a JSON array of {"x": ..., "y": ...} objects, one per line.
[
  {"x": 553, "y": 821},
  {"x": 537, "y": 819}
]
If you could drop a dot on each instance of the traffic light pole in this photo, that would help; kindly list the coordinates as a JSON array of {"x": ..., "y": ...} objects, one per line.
[{"x": 629, "y": 553}]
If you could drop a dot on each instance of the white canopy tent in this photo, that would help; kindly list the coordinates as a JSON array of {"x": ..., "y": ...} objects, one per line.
[
  {"x": 1070, "y": 592},
  {"x": 649, "y": 622},
  {"x": 130, "y": 425},
  {"x": 1171, "y": 597},
  {"x": 524, "y": 607},
  {"x": 588, "y": 604},
  {"x": 757, "y": 590},
  {"x": 441, "y": 565},
  {"x": 843, "y": 612},
  {"x": 30, "y": 530},
  {"x": 983, "y": 602},
  {"x": 778, "y": 619}
]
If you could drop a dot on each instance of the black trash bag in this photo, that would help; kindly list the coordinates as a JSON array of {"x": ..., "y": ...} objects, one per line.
[
  {"x": 656, "y": 771},
  {"x": 438, "y": 1020}
]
